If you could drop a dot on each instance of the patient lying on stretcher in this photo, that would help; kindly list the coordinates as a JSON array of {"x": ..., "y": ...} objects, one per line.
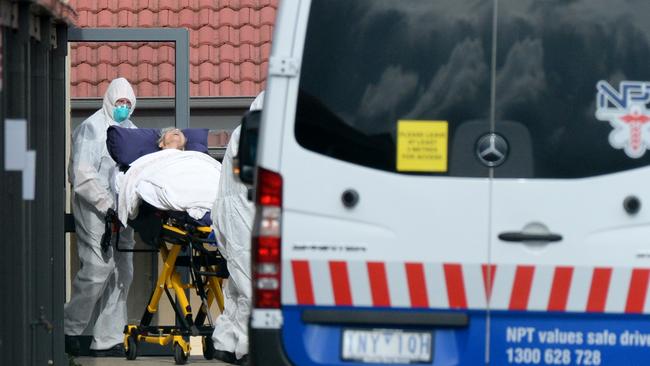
[
  {"x": 169, "y": 179},
  {"x": 172, "y": 138}
]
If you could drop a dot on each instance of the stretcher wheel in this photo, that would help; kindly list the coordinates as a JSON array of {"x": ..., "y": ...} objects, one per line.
[
  {"x": 132, "y": 352},
  {"x": 179, "y": 355},
  {"x": 208, "y": 347}
]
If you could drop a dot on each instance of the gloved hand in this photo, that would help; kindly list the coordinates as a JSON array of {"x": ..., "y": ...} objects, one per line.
[
  {"x": 111, "y": 225},
  {"x": 111, "y": 216}
]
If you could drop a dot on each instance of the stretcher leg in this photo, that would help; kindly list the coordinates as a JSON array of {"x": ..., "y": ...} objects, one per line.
[
  {"x": 207, "y": 286},
  {"x": 169, "y": 266}
]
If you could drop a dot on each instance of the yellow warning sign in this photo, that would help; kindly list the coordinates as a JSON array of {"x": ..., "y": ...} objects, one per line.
[{"x": 422, "y": 146}]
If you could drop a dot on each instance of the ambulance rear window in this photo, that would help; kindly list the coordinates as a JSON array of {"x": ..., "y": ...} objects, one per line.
[
  {"x": 570, "y": 72},
  {"x": 369, "y": 64},
  {"x": 569, "y": 92}
]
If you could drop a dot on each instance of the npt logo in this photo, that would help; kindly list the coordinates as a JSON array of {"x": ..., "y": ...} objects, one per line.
[{"x": 626, "y": 111}]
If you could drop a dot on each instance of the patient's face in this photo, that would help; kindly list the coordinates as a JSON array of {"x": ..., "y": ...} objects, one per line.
[{"x": 173, "y": 139}]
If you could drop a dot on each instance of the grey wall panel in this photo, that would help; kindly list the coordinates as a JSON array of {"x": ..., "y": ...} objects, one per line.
[
  {"x": 40, "y": 245},
  {"x": 16, "y": 337},
  {"x": 58, "y": 85},
  {"x": 5, "y": 276},
  {"x": 216, "y": 119}
]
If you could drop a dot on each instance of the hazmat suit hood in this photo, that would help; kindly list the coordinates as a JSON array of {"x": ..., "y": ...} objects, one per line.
[
  {"x": 258, "y": 103},
  {"x": 91, "y": 166},
  {"x": 118, "y": 88}
]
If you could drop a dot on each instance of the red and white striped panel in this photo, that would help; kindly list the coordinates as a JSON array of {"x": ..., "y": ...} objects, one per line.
[{"x": 466, "y": 286}]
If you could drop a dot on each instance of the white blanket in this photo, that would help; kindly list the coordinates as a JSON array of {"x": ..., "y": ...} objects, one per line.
[{"x": 169, "y": 180}]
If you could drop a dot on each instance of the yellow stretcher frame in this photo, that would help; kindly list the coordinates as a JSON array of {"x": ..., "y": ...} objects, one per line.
[{"x": 170, "y": 279}]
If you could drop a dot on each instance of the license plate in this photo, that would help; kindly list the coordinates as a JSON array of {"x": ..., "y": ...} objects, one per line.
[{"x": 386, "y": 346}]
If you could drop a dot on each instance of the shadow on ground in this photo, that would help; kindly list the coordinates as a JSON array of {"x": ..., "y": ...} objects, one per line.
[{"x": 143, "y": 361}]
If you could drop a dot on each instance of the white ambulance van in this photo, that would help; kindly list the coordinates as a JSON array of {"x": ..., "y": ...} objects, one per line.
[{"x": 454, "y": 182}]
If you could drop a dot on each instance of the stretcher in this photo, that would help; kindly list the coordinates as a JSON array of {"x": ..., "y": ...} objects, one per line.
[{"x": 191, "y": 262}]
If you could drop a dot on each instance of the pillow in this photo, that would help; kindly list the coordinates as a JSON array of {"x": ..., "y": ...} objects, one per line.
[
  {"x": 197, "y": 139},
  {"x": 125, "y": 145}
]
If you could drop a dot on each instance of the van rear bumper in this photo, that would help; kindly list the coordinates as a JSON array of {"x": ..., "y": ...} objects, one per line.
[{"x": 265, "y": 348}]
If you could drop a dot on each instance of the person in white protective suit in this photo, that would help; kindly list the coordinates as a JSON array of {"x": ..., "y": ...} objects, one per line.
[
  {"x": 99, "y": 290},
  {"x": 232, "y": 216}
]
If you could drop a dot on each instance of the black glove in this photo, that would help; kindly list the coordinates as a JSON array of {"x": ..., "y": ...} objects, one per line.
[{"x": 111, "y": 224}]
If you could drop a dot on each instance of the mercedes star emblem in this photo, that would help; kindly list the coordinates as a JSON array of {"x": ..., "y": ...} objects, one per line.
[{"x": 492, "y": 149}]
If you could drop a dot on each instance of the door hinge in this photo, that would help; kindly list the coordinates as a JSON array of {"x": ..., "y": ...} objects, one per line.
[
  {"x": 283, "y": 66},
  {"x": 35, "y": 27},
  {"x": 54, "y": 43}
]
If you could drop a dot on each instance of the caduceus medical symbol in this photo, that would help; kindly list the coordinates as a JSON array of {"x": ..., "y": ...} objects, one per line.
[{"x": 626, "y": 111}]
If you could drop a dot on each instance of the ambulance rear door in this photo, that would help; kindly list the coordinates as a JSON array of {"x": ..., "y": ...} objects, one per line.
[
  {"x": 570, "y": 216},
  {"x": 385, "y": 206}
]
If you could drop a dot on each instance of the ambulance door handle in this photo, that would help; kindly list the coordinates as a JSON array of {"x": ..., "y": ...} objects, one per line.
[{"x": 518, "y": 236}]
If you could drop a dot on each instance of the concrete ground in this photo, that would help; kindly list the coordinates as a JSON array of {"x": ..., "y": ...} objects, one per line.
[{"x": 143, "y": 361}]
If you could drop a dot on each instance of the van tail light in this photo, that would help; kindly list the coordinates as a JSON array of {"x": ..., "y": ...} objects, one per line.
[
  {"x": 269, "y": 188},
  {"x": 266, "y": 240}
]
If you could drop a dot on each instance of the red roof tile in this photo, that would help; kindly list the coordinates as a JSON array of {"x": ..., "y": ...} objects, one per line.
[
  {"x": 267, "y": 16},
  {"x": 104, "y": 18},
  {"x": 146, "y": 18},
  {"x": 230, "y": 43},
  {"x": 83, "y": 17},
  {"x": 250, "y": 3}
]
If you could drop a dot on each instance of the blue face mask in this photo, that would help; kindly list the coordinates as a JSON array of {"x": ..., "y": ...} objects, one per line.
[{"x": 121, "y": 113}]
